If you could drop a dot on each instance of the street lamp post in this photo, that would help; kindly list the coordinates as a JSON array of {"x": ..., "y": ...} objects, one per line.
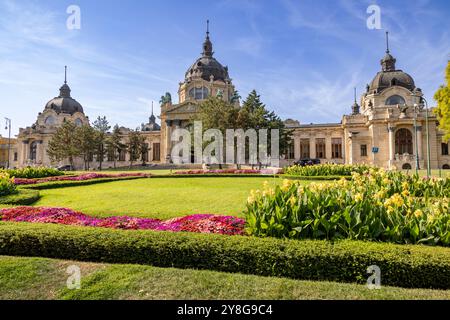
[
  {"x": 8, "y": 127},
  {"x": 422, "y": 99},
  {"x": 415, "y": 137}
]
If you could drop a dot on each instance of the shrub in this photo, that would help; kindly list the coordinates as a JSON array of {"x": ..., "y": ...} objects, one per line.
[
  {"x": 21, "y": 198},
  {"x": 326, "y": 170},
  {"x": 345, "y": 261},
  {"x": 33, "y": 172},
  {"x": 7, "y": 185},
  {"x": 382, "y": 206}
]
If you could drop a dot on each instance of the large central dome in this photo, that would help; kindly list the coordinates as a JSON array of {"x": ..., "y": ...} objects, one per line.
[{"x": 207, "y": 67}]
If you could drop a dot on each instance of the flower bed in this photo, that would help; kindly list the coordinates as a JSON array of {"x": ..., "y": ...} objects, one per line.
[
  {"x": 33, "y": 172},
  {"x": 231, "y": 171},
  {"x": 7, "y": 185},
  {"x": 327, "y": 170},
  {"x": 201, "y": 223},
  {"x": 82, "y": 177},
  {"x": 379, "y": 205}
]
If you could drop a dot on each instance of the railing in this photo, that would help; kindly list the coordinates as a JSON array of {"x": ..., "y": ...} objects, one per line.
[{"x": 405, "y": 157}]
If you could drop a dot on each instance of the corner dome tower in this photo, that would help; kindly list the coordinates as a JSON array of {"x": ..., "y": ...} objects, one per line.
[
  {"x": 207, "y": 67},
  {"x": 64, "y": 103},
  {"x": 389, "y": 76}
]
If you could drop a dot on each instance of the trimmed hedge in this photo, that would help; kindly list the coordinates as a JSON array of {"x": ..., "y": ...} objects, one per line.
[
  {"x": 74, "y": 183},
  {"x": 22, "y": 198},
  {"x": 321, "y": 178},
  {"x": 346, "y": 261}
]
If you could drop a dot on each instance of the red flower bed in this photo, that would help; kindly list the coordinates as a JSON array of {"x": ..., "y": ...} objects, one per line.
[
  {"x": 81, "y": 177},
  {"x": 202, "y": 223},
  {"x": 231, "y": 171}
]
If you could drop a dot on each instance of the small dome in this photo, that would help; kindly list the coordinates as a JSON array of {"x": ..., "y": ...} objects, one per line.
[
  {"x": 64, "y": 103},
  {"x": 387, "y": 79},
  {"x": 389, "y": 76}
]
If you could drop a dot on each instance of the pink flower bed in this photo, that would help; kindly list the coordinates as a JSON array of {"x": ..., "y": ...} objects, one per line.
[
  {"x": 81, "y": 177},
  {"x": 231, "y": 171},
  {"x": 202, "y": 223}
]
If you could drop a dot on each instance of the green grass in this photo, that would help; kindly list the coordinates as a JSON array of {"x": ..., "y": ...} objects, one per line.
[
  {"x": 158, "y": 198},
  {"x": 39, "y": 278}
]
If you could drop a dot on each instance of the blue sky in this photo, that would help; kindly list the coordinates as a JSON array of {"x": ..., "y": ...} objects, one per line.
[{"x": 303, "y": 57}]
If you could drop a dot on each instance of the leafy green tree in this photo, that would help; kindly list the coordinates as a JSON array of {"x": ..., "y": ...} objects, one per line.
[
  {"x": 219, "y": 114},
  {"x": 254, "y": 114},
  {"x": 64, "y": 144},
  {"x": 114, "y": 143},
  {"x": 87, "y": 143},
  {"x": 134, "y": 145},
  {"x": 442, "y": 111},
  {"x": 101, "y": 127}
]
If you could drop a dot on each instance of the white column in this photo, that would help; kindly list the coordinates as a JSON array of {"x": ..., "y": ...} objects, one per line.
[
  {"x": 297, "y": 148},
  {"x": 419, "y": 143},
  {"x": 391, "y": 146}
]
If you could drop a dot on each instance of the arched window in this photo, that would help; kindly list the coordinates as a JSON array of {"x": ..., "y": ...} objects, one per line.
[
  {"x": 33, "y": 150},
  {"x": 78, "y": 122},
  {"x": 446, "y": 167},
  {"x": 49, "y": 121},
  {"x": 199, "y": 93},
  {"x": 403, "y": 141},
  {"x": 406, "y": 166},
  {"x": 395, "y": 99}
]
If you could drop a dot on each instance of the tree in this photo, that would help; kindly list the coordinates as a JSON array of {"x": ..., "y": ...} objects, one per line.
[
  {"x": 134, "y": 145},
  {"x": 87, "y": 143},
  {"x": 215, "y": 113},
  {"x": 144, "y": 153},
  {"x": 114, "y": 143},
  {"x": 101, "y": 127},
  {"x": 64, "y": 144},
  {"x": 254, "y": 114},
  {"x": 442, "y": 111}
]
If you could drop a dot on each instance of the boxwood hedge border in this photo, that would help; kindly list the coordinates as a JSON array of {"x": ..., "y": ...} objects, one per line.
[
  {"x": 409, "y": 266},
  {"x": 21, "y": 198}
]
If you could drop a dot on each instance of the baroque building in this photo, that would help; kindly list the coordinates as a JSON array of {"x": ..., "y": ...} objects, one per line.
[{"x": 387, "y": 128}]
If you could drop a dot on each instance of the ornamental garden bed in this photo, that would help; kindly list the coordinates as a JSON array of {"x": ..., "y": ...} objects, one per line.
[
  {"x": 203, "y": 223},
  {"x": 81, "y": 177}
]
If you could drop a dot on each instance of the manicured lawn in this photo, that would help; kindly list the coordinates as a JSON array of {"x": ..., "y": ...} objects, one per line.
[
  {"x": 161, "y": 198},
  {"x": 39, "y": 278}
]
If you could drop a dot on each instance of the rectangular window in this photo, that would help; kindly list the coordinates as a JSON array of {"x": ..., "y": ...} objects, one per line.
[
  {"x": 336, "y": 148},
  {"x": 111, "y": 155},
  {"x": 156, "y": 152},
  {"x": 122, "y": 154},
  {"x": 145, "y": 152},
  {"x": 290, "y": 151},
  {"x": 364, "y": 150},
  {"x": 15, "y": 156},
  {"x": 304, "y": 148},
  {"x": 444, "y": 149},
  {"x": 320, "y": 148}
]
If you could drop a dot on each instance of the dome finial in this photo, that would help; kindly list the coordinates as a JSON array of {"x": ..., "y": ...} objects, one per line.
[
  {"x": 387, "y": 41},
  {"x": 152, "y": 107},
  {"x": 65, "y": 74},
  {"x": 207, "y": 45},
  {"x": 355, "y": 106}
]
